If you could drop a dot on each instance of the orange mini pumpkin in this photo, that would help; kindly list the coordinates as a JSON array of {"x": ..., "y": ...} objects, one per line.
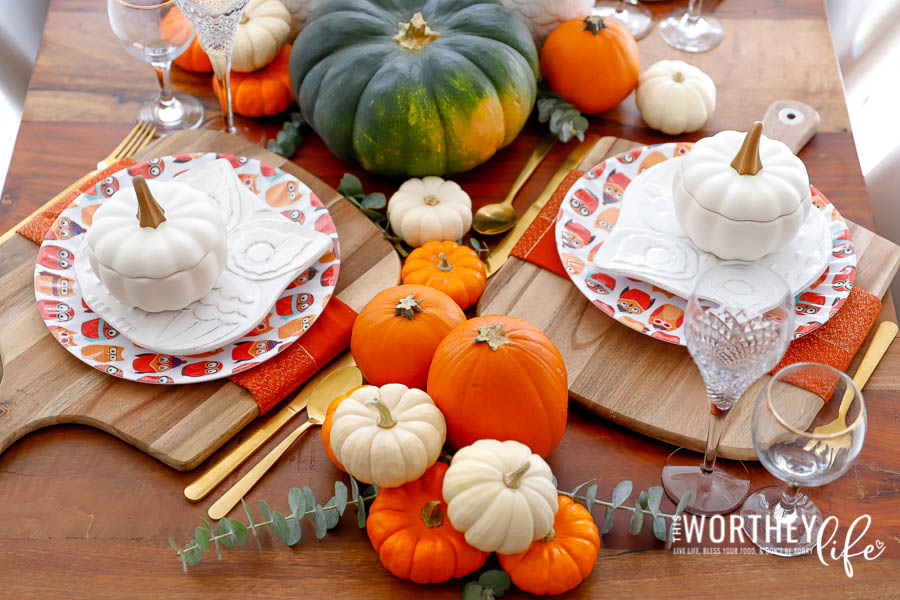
[
  {"x": 176, "y": 28},
  {"x": 396, "y": 333},
  {"x": 560, "y": 561},
  {"x": 263, "y": 92},
  {"x": 592, "y": 63},
  {"x": 446, "y": 266},
  {"x": 326, "y": 428},
  {"x": 499, "y": 377},
  {"x": 414, "y": 539}
]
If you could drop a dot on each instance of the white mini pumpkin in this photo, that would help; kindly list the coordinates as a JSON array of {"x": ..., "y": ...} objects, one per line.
[
  {"x": 388, "y": 436},
  {"x": 264, "y": 29},
  {"x": 500, "y": 495},
  {"x": 158, "y": 267},
  {"x": 741, "y": 196},
  {"x": 675, "y": 97},
  {"x": 543, "y": 16},
  {"x": 430, "y": 209}
]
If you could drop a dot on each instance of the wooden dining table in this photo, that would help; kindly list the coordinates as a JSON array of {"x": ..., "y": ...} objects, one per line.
[{"x": 84, "y": 515}]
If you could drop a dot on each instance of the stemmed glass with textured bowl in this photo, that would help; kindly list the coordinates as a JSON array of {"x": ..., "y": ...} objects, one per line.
[
  {"x": 783, "y": 520},
  {"x": 216, "y": 24},
  {"x": 636, "y": 17},
  {"x": 139, "y": 25},
  {"x": 738, "y": 323},
  {"x": 687, "y": 29}
]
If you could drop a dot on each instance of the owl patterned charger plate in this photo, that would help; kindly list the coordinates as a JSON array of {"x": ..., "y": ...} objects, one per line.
[
  {"x": 589, "y": 213},
  {"x": 98, "y": 343}
]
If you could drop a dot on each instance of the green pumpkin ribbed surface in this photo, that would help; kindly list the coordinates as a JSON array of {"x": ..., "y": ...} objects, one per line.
[{"x": 442, "y": 109}]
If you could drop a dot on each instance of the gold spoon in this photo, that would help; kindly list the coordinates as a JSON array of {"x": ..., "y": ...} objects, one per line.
[
  {"x": 337, "y": 383},
  {"x": 492, "y": 219}
]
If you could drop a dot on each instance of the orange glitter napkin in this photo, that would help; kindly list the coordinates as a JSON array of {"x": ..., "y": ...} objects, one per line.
[
  {"x": 273, "y": 380},
  {"x": 835, "y": 343}
]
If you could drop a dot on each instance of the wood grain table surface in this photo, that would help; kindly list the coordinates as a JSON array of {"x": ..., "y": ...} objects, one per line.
[{"x": 83, "y": 515}]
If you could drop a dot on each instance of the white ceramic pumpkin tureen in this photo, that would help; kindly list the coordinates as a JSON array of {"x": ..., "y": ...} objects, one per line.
[
  {"x": 159, "y": 247},
  {"x": 741, "y": 196}
]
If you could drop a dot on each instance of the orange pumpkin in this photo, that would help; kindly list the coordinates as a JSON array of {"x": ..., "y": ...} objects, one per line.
[
  {"x": 326, "y": 427},
  {"x": 592, "y": 63},
  {"x": 500, "y": 377},
  {"x": 446, "y": 266},
  {"x": 263, "y": 92},
  {"x": 559, "y": 562},
  {"x": 176, "y": 28},
  {"x": 414, "y": 540},
  {"x": 396, "y": 333}
]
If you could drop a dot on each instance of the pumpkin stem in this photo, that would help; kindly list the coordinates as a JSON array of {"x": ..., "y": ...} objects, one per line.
[
  {"x": 678, "y": 76},
  {"x": 747, "y": 160},
  {"x": 549, "y": 537},
  {"x": 514, "y": 478},
  {"x": 416, "y": 34},
  {"x": 407, "y": 307},
  {"x": 244, "y": 18},
  {"x": 385, "y": 418},
  {"x": 444, "y": 264},
  {"x": 432, "y": 515},
  {"x": 149, "y": 213},
  {"x": 594, "y": 23},
  {"x": 493, "y": 336},
  {"x": 431, "y": 200}
]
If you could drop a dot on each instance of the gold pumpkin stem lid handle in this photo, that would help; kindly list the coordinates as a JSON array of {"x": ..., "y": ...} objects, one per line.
[
  {"x": 747, "y": 160},
  {"x": 150, "y": 213},
  {"x": 416, "y": 34}
]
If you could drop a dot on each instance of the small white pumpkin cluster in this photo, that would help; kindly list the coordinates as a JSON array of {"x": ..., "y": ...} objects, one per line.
[{"x": 500, "y": 495}]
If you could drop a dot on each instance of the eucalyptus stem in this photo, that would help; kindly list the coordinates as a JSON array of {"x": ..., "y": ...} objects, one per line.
[{"x": 630, "y": 509}]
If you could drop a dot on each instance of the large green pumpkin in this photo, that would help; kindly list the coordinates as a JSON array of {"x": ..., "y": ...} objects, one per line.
[{"x": 415, "y": 87}]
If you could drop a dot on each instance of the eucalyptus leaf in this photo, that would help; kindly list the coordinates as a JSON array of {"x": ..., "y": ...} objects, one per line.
[
  {"x": 275, "y": 147},
  {"x": 580, "y": 486},
  {"x": 621, "y": 492},
  {"x": 637, "y": 521},
  {"x": 280, "y": 525},
  {"x": 295, "y": 532},
  {"x": 331, "y": 514},
  {"x": 609, "y": 516},
  {"x": 370, "y": 490},
  {"x": 321, "y": 523},
  {"x": 201, "y": 539},
  {"x": 654, "y": 497},
  {"x": 239, "y": 530},
  {"x": 223, "y": 528},
  {"x": 642, "y": 499},
  {"x": 291, "y": 130},
  {"x": 286, "y": 143},
  {"x": 591, "y": 496},
  {"x": 354, "y": 489},
  {"x": 212, "y": 536},
  {"x": 374, "y": 201},
  {"x": 309, "y": 498},
  {"x": 498, "y": 581},
  {"x": 361, "y": 514},
  {"x": 173, "y": 544},
  {"x": 296, "y": 502},
  {"x": 251, "y": 525},
  {"x": 192, "y": 556},
  {"x": 297, "y": 119},
  {"x": 340, "y": 497},
  {"x": 350, "y": 185},
  {"x": 685, "y": 500},
  {"x": 659, "y": 528},
  {"x": 472, "y": 591},
  {"x": 265, "y": 511}
]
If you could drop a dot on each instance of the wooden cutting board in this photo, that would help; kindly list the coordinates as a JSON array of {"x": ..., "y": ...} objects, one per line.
[
  {"x": 631, "y": 379},
  {"x": 180, "y": 425}
]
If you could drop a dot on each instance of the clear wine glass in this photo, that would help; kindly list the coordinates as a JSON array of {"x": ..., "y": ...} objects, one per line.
[
  {"x": 738, "y": 323},
  {"x": 216, "y": 24},
  {"x": 687, "y": 30},
  {"x": 139, "y": 27},
  {"x": 636, "y": 17},
  {"x": 802, "y": 441}
]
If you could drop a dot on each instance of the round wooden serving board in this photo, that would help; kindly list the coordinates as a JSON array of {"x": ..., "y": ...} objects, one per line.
[{"x": 180, "y": 425}]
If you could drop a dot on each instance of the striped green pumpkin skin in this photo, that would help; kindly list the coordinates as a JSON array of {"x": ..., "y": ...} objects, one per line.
[{"x": 442, "y": 109}]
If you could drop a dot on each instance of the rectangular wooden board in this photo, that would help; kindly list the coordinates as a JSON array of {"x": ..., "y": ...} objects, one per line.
[{"x": 180, "y": 425}]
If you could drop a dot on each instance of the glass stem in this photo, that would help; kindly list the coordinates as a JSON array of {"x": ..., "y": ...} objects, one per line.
[
  {"x": 789, "y": 497},
  {"x": 693, "y": 11},
  {"x": 713, "y": 436},
  {"x": 163, "y": 75},
  {"x": 223, "y": 79}
]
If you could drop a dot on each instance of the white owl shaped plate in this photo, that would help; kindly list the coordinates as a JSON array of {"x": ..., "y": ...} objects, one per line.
[
  {"x": 274, "y": 303},
  {"x": 596, "y": 203}
]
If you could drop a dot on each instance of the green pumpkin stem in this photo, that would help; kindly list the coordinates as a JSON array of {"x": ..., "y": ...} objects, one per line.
[
  {"x": 416, "y": 34},
  {"x": 549, "y": 537},
  {"x": 432, "y": 515},
  {"x": 514, "y": 478},
  {"x": 493, "y": 336},
  {"x": 444, "y": 264},
  {"x": 747, "y": 160},
  {"x": 385, "y": 418},
  {"x": 150, "y": 213},
  {"x": 407, "y": 307},
  {"x": 594, "y": 24}
]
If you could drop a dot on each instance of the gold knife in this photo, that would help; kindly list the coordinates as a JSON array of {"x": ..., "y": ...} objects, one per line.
[
  {"x": 500, "y": 253},
  {"x": 206, "y": 483}
]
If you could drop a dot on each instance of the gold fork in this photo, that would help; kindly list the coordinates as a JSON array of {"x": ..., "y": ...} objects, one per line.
[
  {"x": 136, "y": 140},
  {"x": 830, "y": 447}
]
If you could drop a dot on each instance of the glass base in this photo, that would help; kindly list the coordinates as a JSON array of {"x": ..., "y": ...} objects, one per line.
[
  {"x": 699, "y": 34},
  {"x": 780, "y": 532},
  {"x": 636, "y": 18},
  {"x": 185, "y": 112},
  {"x": 716, "y": 493}
]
